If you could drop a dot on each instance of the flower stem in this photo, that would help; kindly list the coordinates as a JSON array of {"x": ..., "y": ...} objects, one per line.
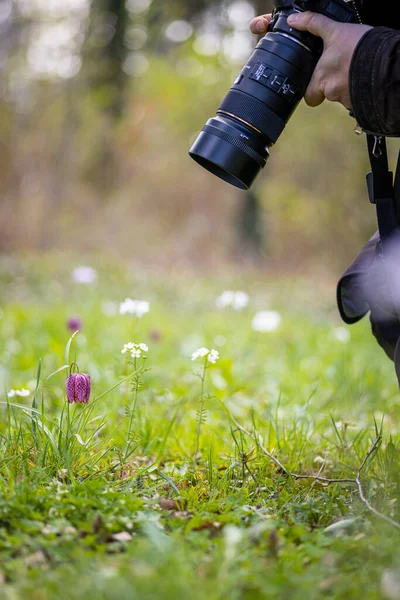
[
  {"x": 133, "y": 409},
  {"x": 200, "y": 419}
]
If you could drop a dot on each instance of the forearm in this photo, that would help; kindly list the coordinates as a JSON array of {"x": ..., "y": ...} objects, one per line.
[{"x": 375, "y": 81}]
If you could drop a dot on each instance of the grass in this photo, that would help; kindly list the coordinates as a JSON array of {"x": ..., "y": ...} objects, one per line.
[{"x": 180, "y": 507}]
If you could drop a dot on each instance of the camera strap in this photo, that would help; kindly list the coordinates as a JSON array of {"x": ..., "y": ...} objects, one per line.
[{"x": 384, "y": 192}]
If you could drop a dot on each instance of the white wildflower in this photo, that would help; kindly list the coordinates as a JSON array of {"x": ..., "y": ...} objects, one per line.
[
  {"x": 128, "y": 307},
  {"x": 213, "y": 356},
  {"x": 134, "y": 307},
  {"x": 84, "y": 275},
  {"x": 233, "y": 536},
  {"x": 225, "y": 299},
  {"x": 390, "y": 584},
  {"x": 134, "y": 350},
  {"x": 237, "y": 300},
  {"x": 24, "y": 393},
  {"x": 128, "y": 348},
  {"x": 240, "y": 301},
  {"x": 266, "y": 320},
  {"x": 341, "y": 334},
  {"x": 200, "y": 353}
]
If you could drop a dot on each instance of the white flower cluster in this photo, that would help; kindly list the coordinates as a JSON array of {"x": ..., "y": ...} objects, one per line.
[
  {"x": 135, "y": 350},
  {"x": 341, "y": 334},
  {"x": 237, "y": 300},
  {"x": 84, "y": 275},
  {"x": 266, "y": 320},
  {"x": 134, "y": 307},
  {"x": 212, "y": 355},
  {"x": 21, "y": 393}
]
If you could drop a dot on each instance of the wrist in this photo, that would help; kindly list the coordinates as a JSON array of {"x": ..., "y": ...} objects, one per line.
[{"x": 362, "y": 75}]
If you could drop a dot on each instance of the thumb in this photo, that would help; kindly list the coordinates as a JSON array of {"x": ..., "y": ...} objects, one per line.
[{"x": 314, "y": 23}]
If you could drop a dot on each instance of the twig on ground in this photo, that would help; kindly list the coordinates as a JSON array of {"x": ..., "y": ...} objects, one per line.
[
  {"x": 280, "y": 465},
  {"x": 363, "y": 499},
  {"x": 356, "y": 481},
  {"x": 264, "y": 450}
]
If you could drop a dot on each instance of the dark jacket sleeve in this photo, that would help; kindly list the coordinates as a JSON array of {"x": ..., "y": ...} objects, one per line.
[
  {"x": 381, "y": 13},
  {"x": 375, "y": 82}
]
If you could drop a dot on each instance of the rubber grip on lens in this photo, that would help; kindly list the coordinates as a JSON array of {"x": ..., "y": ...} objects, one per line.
[{"x": 255, "y": 113}]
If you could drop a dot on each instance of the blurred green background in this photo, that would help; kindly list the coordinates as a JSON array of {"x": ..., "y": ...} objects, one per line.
[{"x": 99, "y": 103}]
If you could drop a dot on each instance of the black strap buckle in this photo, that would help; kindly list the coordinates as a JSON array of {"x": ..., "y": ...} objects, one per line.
[{"x": 380, "y": 185}]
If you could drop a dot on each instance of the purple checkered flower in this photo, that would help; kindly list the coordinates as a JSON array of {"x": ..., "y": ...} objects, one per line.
[
  {"x": 78, "y": 388},
  {"x": 74, "y": 324}
]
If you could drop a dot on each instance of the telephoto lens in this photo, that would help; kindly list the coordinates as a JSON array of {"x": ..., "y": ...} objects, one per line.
[{"x": 234, "y": 144}]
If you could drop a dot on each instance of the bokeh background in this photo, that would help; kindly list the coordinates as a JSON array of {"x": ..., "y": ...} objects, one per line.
[{"x": 99, "y": 103}]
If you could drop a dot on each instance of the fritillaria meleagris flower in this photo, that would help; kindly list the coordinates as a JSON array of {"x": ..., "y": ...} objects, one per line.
[
  {"x": 78, "y": 388},
  {"x": 74, "y": 324}
]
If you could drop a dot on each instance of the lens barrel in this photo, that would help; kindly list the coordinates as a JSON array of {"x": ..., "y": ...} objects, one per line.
[
  {"x": 227, "y": 150},
  {"x": 234, "y": 144}
]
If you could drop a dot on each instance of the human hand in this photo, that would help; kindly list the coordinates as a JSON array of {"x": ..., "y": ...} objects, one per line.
[
  {"x": 331, "y": 76},
  {"x": 259, "y": 25},
  {"x": 330, "y": 79}
]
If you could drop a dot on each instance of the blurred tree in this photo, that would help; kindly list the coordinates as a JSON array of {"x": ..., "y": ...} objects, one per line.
[
  {"x": 263, "y": 6},
  {"x": 250, "y": 228},
  {"x": 109, "y": 22},
  {"x": 190, "y": 9},
  {"x": 11, "y": 43},
  {"x": 112, "y": 19}
]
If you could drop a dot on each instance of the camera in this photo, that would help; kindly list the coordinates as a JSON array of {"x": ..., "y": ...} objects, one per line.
[{"x": 234, "y": 144}]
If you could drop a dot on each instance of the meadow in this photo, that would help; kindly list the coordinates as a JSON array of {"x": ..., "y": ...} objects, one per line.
[{"x": 192, "y": 478}]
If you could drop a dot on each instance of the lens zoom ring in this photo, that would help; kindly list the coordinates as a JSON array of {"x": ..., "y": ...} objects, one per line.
[
  {"x": 253, "y": 112},
  {"x": 236, "y": 142}
]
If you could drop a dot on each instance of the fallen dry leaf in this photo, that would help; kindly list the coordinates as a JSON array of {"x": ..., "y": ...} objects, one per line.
[
  {"x": 169, "y": 504},
  {"x": 212, "y": 525},
  {"x": 35, "y": 559}
]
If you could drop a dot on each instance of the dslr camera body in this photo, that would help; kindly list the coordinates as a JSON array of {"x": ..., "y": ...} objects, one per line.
[{"x": 234, "y": 144}]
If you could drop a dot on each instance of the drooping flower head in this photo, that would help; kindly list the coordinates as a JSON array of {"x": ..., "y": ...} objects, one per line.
[
  {"x": 212, "y": 355},
  {"x": 155, "y": 335},
  {"x": 74, "y": 324},
  {"x": 78, "y": 387}
]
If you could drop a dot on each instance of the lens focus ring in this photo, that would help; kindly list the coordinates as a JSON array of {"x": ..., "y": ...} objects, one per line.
[
  {"x": 236, "y": 142},
  {"x": 254, "y": 113}
]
